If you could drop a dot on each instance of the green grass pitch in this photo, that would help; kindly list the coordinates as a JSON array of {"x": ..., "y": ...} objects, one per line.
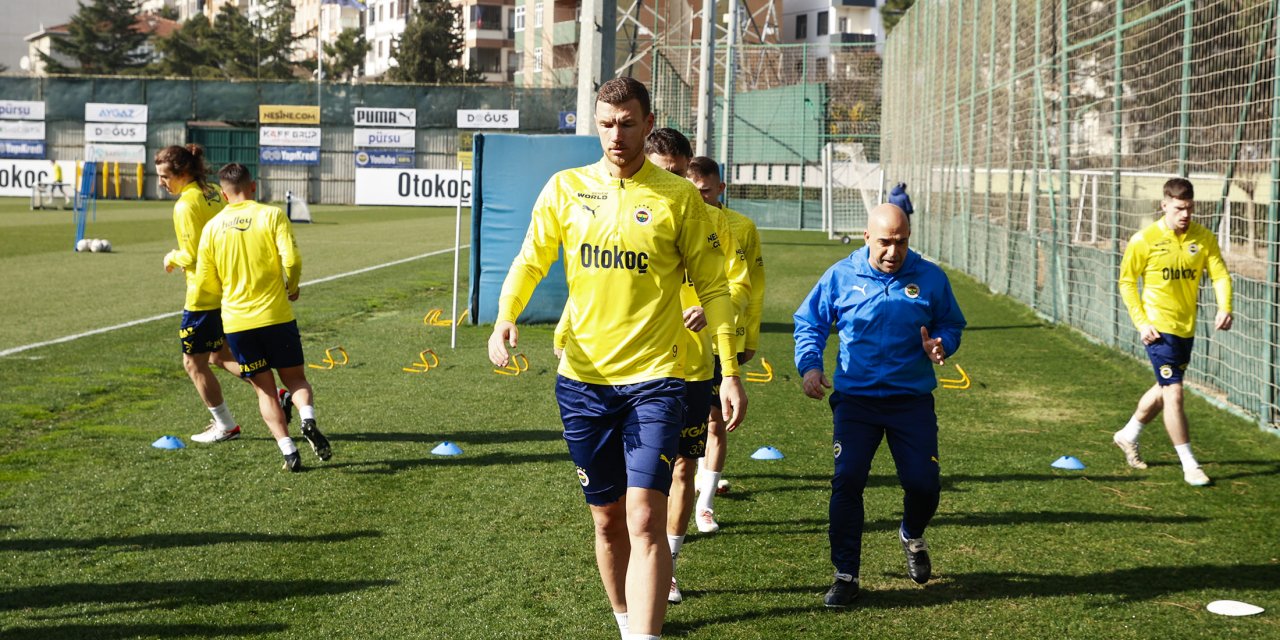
[{"x": 102, "y": 536}]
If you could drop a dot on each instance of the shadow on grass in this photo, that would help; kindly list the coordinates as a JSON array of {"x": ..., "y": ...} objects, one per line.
[
  {"x": 1131, "y": 585},
  {"x": 1001, "y": 519},
  {"x": 114, "y": 631},
  {"x": 174, "y": 540},
  {"x": 461, "y": 437},
  {"x": 386, "y": 467},
  {"x": 175, "y": 593}
]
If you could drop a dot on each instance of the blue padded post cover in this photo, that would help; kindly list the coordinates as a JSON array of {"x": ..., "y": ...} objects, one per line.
[{"x": 509, "y": 173}]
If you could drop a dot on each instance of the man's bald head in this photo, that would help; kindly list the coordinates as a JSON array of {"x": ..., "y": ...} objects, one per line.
[{"x": 888, "y": 229}]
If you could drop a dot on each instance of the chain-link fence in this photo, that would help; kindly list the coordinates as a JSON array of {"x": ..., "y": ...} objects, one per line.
[
  {"x": 1036, "y": 136},
  {"x": 797, "y": 127},
  {"x": 181, "y": 111}
]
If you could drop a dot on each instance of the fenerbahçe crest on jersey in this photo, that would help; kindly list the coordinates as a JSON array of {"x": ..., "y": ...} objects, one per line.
[{"x": 627, "y": 243}]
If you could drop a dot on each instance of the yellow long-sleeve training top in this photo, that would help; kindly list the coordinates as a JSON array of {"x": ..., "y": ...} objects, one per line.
[
  {"x": 700, "y": 363},
  {"x": 1170, "y": 267},
  {"x": 627, "y": 244},
  {"x": 194, "y": 209},
  {"x": 249, "y": 258},
  {"x": 747, "y": 240}
]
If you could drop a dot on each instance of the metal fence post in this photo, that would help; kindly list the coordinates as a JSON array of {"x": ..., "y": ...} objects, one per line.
[
  {"x": 1117, "y": 134},
  {"x": 1267, "y": 395}
]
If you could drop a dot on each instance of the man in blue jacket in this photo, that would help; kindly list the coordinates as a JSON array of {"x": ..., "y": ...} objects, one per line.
[{"x": 897, "y": 317}]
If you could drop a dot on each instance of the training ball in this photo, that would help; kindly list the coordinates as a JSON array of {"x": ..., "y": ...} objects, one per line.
[
  {"x": 106, "y": 245},
  {"x": 82, "y": 244},
  {"x": 96, "y": 245}
]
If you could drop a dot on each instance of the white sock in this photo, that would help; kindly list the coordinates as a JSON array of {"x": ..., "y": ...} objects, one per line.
[
  {"x": 707, "y": 486},
  {"x": 1184, "y": 454},
  {"x": 306, "y": 412},
  {"x": 641, "y": 636},
  {"x": 675, "y": 542},
  {"x": 222, "y": 417},
  {"x": 622, "y": 623},
  {"x": 286, "y": 445},
  {"x": 1131, "y": 431}
]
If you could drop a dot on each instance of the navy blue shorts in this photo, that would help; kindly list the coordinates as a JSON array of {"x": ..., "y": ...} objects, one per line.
[
  {"x": 201, "y": 331},
  {"x": 1170, "y": 357},
  {"x": 697, "y": 406},
  {"x": 276, "y": 346},
  {"x": 621, "y": 436}
]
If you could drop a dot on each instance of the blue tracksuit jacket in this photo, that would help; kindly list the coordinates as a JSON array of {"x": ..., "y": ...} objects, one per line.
[{"x": 878, "y": 316}]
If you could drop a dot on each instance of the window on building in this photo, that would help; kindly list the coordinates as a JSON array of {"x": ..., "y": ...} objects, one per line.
[
  {"x": 518, "y": 20},
  {"x": 537, "y": 59},
  {"x": 404, "y": 8},
  {"x": 537, "y": 15},
  {"x": 844, "y": 25},
  {"x": 802, "y": 26},
  {"x": 486, "y": 16},
  {"x": 513, "y": 61},
  {"x": 822, "y": 23}
]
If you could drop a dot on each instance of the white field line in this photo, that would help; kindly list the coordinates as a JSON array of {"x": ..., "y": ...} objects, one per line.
[{"x": 174, "y": 314}]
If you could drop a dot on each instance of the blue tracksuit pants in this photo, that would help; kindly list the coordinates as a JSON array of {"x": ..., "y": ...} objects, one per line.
[{"x": 910, "y": 425}]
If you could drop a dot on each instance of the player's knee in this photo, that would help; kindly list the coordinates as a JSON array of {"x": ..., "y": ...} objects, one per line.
[
  {"x": 610, "y": 527},
  {"x": 846, "y": 481},
  {"x": 194, "y": 365},
  {"x": 924, "y": 484}
]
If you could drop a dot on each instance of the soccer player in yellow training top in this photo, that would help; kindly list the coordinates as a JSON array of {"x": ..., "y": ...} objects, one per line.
[
  {"x": 244, "y": 252},
  {"x": 705, "y": 175},
  {"x": 671, "y": 150},
  {"x": 1169, "y": 255},
  {"x": 629, "y": 230},
  {"x": 182, "y": 172}
]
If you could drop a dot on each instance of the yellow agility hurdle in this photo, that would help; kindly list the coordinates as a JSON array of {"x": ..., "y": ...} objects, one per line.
[
  {"x": 519, "y": 364},
  {"x": 329, "y": 362},
  {"x": 423, "y": 365},
  {"x": 767, "y": 376},
  {"x": 959, "y": 384},
  {"x": 432, "y": 319}
]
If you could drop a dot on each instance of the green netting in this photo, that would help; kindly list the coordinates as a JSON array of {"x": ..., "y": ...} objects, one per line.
[
  {"x": 226, "y": 101},
  {"x": 769, "y": 126},
  {"x": 169, "y": 101},
  {"x": 1036, "y": 136}
]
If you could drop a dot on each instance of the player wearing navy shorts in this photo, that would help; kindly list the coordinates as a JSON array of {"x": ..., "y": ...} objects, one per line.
[
  {"x": 1170, "y": 256},
  {"x": 243, "y": 253},
  {"x": 629, "y": 231},
  {"x": 182, "y": 172}
]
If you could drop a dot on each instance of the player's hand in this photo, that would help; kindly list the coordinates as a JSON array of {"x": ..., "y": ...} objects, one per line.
[
  {"x": 168, "y": 266},
  {"x": 504, "y": 333},
  {"x": 558, "y": 351},
  {"x": 733, "y": 402},
  {"x": 293, "y": 297},
  {"x": 933, "y": 347},
  {"x": 695, "y": 319},
  {"x": 814, "y": 381},
  {"x": 1223, "y": 321},
  {"x": 746, "y": 356},
  {"x": 1149, "y": 334}
]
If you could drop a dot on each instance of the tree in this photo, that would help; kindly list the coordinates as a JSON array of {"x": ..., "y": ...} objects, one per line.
[
  {"x": 276, "y": 40},
  {"x": 430, "y": 49},
  {"x": 102, "y": 38},
  {"x": 345, "y": 55},
  {"x": 892, "y": 12},
  {"x": 188, "y": 52}
]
